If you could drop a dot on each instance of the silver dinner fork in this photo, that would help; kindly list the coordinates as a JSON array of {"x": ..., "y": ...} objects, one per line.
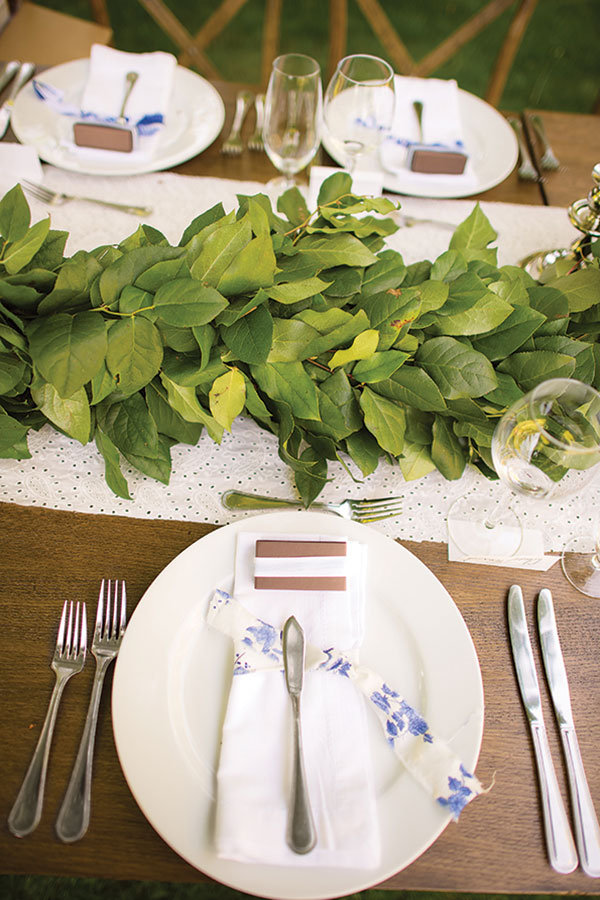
[
  {"x": 364, "y": 511},
  {"x": 74, "y": 815},
  {"x": 256, "y": 140},
  {"x": 233, "y": 145},
  {"x": 57, "y": 198},
  {"x": 526, "y": 170},
  {"x": 548, "y": 158},
  {"x": 68, "y": 660}
]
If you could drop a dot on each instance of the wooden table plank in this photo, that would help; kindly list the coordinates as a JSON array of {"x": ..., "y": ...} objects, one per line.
[
  {"x": 575, "y": 139},
  {"x": 498, "y": 845}
]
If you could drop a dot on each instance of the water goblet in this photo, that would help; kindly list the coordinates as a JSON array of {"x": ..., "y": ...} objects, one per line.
[
  {"x": 293, "y": 110},
  {"x": 359, "y": 108},
  {"x": 546, "y": 446}
]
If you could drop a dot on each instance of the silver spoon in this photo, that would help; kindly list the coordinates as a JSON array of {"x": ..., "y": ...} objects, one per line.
[{"x": 130, "y": 80}]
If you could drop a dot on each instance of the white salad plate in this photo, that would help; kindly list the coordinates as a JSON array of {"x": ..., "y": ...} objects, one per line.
[
  {"x": 193, "y": 121},
  {"x": 171, "y": 685},
  {"x": 489, "y": 141}
]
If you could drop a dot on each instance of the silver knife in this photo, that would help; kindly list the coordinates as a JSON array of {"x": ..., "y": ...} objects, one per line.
[
  {"x": 301, "y": 834},
  {"x": 559, "y": 840},
  {"x": 587, "y": 830},
  {"x": 25, "y": 72}
]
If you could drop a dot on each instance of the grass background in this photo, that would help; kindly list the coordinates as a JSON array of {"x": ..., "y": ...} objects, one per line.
[{"x": 557, "y": 67}]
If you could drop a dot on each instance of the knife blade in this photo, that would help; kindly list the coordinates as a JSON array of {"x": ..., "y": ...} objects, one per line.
[
  {"x": 25, "y": 72},
  {"x": 301, "y": 834},
  {"x": 559, "y": 840},
  {"x": 587, "y": 830}
]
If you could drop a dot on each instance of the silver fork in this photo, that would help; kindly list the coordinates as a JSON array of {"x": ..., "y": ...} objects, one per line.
[
  {"x": 74, "y": 815},
  {"x": 68, "y": 660},
  {"x": 256, "y": 140},
  {"x": 359, "y": 510},
  {"x": 57, "y": 198},
  {"x": 548, "y": 159},
  {"x": 233, "y": 145},
  {"x": 526, "y": 170}
]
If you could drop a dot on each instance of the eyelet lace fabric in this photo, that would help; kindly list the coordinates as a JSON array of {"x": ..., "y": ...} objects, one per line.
[{"x": 63, "y": 474}]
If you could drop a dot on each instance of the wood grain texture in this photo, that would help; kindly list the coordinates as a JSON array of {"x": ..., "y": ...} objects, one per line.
[{"x": 498, "y": 845}]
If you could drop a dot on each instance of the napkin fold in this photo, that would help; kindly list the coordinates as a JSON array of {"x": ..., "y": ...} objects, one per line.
[
  {"x": 442, "y": 127},
  {"x": 18, "y": 161}
]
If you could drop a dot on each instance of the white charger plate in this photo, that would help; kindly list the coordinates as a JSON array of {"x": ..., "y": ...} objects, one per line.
[
  {"x": 172, "y": 679},
  {"x": 490, "y": 142},
  {"x": 194, "y": 119}
]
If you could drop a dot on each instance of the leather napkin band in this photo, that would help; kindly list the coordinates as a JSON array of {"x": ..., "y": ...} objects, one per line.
[{"x": 305, "y": 550}]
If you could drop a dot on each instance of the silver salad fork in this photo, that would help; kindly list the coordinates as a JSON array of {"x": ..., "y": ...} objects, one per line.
[{"x": 364, "y": 511}]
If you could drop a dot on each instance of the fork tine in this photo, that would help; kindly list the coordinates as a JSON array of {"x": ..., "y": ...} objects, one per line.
[
  {"x": 69, "y": 637},
  {"x": 100, "y": 612},
  {"x": 113, "y": 632},
  {"x": 75, "y": 644},
  {"x": 83, "y": 632},
  {"x": 60, "y": 637},
  {"x": 123, "y": 619},
  {"x": 388, "y": 515}
]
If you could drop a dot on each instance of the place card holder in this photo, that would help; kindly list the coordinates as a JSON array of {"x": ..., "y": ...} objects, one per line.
[{"x": 300, "y": 565}]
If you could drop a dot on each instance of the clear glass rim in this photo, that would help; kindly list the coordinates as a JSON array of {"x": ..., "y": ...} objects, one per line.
[
  {"x": 565, "y": 383},
  {"x": 377, "y": 59},
  {"x": 312, "y": 70}
]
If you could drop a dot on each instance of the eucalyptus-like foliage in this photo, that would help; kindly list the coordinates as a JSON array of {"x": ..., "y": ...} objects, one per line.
[{"x": 303, "y": 321}]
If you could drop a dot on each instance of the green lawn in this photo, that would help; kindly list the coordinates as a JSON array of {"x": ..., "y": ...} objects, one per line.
[{"x": 557, "y": 66}]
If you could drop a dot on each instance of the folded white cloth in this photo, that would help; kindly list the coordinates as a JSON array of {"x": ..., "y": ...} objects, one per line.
[
  {"x": 441, "y": 127},
  {"x": 256, "y": 753},
  {"x": 16, "y": 162}
]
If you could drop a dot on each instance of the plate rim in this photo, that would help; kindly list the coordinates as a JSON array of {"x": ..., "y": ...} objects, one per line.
[{"x": 345, "y": 880}]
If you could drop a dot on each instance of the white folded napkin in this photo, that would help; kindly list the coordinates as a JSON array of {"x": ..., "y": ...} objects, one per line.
[
  {"x": 256, "y": 753},
  {"x": 16, "y": 162},
  {"x": 441, "y": 127}
]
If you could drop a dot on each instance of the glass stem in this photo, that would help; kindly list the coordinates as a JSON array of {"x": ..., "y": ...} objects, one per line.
[{"x": 495, "y": 516}]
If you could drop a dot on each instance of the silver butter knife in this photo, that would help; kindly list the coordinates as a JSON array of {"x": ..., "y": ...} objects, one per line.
[
  {"x": 301, "y": 835},
  {"x": 587, "y": 831},
  {"x": 25, "y": 72},
  {"x": 559, "y": 840}
]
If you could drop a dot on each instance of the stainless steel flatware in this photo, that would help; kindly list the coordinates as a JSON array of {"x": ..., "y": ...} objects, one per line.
[
  {"x": 364, "y": 511},
  {"x": 526, "y": 170},
  {"x": 8, "y": 73},
  {"x": 559, "y": 840},
  {"x": 68, "y": 660},
  {"x": 256, "y": 139},
  {"x": 301, "y": 835},
  {"x": 130, "y": 80},
  {"x": 233, "y": 145},
  {"x": 74, "y": 815},
  {"x": 409, "y": 221},
  {"x": 57, "y": 198},
  {"x": 25, "y": 72},
  {"x": 548, "y": 159},
  {"x": 587, "y": 831}
]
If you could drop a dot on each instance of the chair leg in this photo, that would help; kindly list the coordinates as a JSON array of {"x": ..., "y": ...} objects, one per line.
[
  {"x": 338, "y": 32},
  {"x": 507, "y": 54},
  {"x": 180, "y": 35},
  {"x": 100, "y": 12},
  {"x": 270, "y": 40},
  {"x": 213, "y": 26}
]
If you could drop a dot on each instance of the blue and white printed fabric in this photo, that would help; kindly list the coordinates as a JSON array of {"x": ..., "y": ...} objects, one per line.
[{"x": 254, "y": 766}]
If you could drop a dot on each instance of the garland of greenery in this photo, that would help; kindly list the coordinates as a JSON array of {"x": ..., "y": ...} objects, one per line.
[{"x": 305, "y": 322}]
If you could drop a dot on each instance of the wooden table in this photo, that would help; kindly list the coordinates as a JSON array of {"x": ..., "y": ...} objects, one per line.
[{"x": 47, "y": 555}]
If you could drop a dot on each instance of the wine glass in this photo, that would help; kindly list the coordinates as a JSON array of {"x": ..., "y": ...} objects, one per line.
[
  {"x": 359, "y": 107},
  {"x": 293, "y": 109},
  {"x": 546, "y": 445}
]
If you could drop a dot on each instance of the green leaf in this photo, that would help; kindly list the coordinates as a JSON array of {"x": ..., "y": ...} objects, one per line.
[
  {"x": 134, "y": 353},
  {"x": 415, "y": 462},
  {"x": 71, "y": 414},
  {"x": 363, "y": 346},
  {"x": 293, "y": 205},
  {"x": 364, "y": 450},
  {"x": 449, "y": 266},
  {"x": 185, "y": 302},
  {"x": 250, "y": 338},
  {"x": 446, "y": 452},
  {"x": 68, "y": 350},
  {"x": 475, "y": 233},
  {"x": 219, "y": 251},
  {"x": 510, "y": 334},
  {"x": 227, "y": 397},
  {"x": 334, "y": 250},
  {"x": 335, "y": 186},
  {"x": 581, "y": 288},
  {"x": 168, "y": 421},
  {"x": 112, "y": 470},
  {"x": 294, "y": 291},
  {"x": 20, "y": 252},
  {"x": 252, "y": 268},
  {"x": 50, "y": 254},
  {"x": 311, "y": 483},
  {"x": 14, "y": 215},
  {"x": 379, "y": 366},
  {"x": 414, "y": 387},
  {"x": 161, "y": 273},
  {"x": 198, "y": 224},
  {"x": 457, "y": 370},
  {"x": 289, "y": 383},
  {"x": 127, "y": 269},
  {"x": 532, "y": 367},
  {"x": 73, "y": 284},
  {"x": 183, "y": 399},
  {"x": 384, "y": 419},
  {"x": 12, "y": 370},
  {"x": 130, "y": 426}
]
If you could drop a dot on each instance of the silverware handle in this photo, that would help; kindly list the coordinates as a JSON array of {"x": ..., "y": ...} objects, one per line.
[
  {"x": 240, "y": 500},
  {"x": 301, "y": 834},
  {"x": 587, "y": 830},
  {"x": 259, "y": 103},
  {"x": 242, "y": 105},
  {"x": 74, "y": 814},
  {"x": 124, "y": 207},
  {"x": 26, "y": 813},
  {"x": 8, "y": 73},
  {"x": 559, "y": 840},
  {"x": 22, "y": 77}
]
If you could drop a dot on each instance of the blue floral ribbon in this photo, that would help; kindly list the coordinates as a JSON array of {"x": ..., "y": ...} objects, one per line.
[
  {"x": 55, "y": 98},
  {"x": 257, "y": 646}
]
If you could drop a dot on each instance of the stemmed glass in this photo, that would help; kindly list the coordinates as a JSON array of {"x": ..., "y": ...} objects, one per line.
[
  {"x": 293, "y": 110},
  {"x": 547, "y": 446},
  {"x": 359, "y": 107}
]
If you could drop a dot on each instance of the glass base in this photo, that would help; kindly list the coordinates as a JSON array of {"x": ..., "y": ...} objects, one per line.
[
  {"x": 480, "y": 528},
  {"x": 282, "y": 183},
  {"x": 581, "y": 564}
]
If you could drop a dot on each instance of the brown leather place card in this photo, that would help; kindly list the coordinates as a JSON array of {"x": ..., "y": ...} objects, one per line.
[
  {"x": 103, "y": 137},
  {"x": 298, "y": 549}
]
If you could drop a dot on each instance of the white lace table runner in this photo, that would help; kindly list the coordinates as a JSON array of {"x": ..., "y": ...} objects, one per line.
[{"x": 62, "y": 474}]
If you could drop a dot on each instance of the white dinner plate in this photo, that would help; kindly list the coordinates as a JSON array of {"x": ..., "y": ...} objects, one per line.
[
  {"x": 193, "y": 120},
  {"x": 491, "y": 145},
  {"x": 171, "y": 685}
]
